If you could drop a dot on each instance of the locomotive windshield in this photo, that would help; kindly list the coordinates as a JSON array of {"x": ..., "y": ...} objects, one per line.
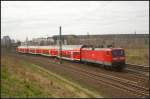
[{"x": 117, "y": 53}]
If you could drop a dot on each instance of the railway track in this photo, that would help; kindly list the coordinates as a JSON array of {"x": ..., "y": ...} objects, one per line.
[
  {"x": 109, "y": 80},
  {"x": 126, "y": 74},
  {"x": 116, "y": 82},
  {"x": 138, "y": 69},
  {"x": 119, "y": 83}
]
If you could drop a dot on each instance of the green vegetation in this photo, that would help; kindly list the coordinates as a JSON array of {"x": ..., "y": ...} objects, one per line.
[
  {"x": 137, "y": 56},
  {"x": 20, "y": 78}
]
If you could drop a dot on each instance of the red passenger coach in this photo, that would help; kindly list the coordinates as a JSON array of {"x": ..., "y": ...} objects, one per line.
[
  {"x": 54, "y": 52},
  {"x": 32, "y": 49},
  {"x": 71, "y": 52},
  {"x": 22, "y": 49},
  {"x": 44, "y": 50}
]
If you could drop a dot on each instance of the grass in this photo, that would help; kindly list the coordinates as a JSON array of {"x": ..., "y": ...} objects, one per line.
[
  {"x": 137, "y": 56},
  {"x": 20, "y": 78}
]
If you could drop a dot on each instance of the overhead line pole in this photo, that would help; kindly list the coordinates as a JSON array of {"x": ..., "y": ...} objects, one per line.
[
  {"x": 27, "y": 43},
  {"x": 60, "y": 46}
]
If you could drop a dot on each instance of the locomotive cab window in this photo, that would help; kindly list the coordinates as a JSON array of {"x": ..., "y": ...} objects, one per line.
[
  {"x": 117, "y": 53},
  {"x": 107, "y": 53}
]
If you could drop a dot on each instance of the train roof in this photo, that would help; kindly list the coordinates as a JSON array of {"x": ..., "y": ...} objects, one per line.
[
  {"x": 22, "y": 46},
  {"x": 108, "y": 49},
  {"x": 67, "y": 47},
  {"x": 64, "y": 47}
]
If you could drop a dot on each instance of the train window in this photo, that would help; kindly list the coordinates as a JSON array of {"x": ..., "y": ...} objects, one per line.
[
  {"x": 118, "y": 53},
  {"x": 107, "y": 53},
  {"x": 76, "y": 53}
]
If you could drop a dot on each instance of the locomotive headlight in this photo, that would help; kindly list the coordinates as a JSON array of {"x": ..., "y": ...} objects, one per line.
[
  {"x": 115, "y": 58},
  {"x": 118, "y": 58},
  {"x": 122, "y": 58}
]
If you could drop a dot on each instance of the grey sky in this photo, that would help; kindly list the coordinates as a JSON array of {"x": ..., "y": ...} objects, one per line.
[{"x": 20, "y": 19}]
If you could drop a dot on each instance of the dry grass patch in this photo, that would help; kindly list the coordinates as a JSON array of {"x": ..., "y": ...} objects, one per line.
[
  {"x": 23, "y": 79},
  {"x": 138, "y": 56}
]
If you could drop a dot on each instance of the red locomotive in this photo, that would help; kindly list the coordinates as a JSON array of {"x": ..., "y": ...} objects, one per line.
[{"x": 108, "y": 57}]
